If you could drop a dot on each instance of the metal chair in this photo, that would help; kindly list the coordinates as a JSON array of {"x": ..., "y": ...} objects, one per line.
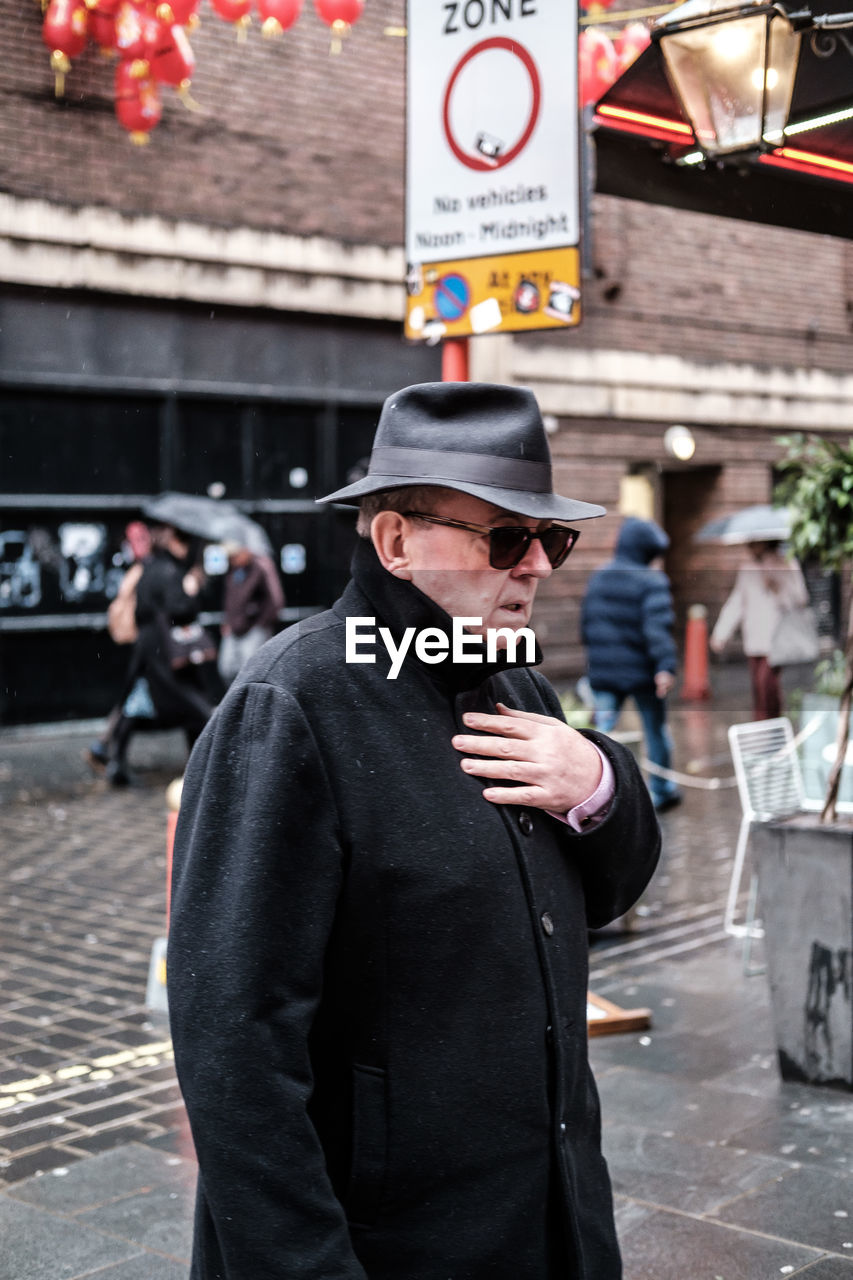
[{"x": 770, "y": 785}]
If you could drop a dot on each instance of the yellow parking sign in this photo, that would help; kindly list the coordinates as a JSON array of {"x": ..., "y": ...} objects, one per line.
[{"x": 513, "y": 291}]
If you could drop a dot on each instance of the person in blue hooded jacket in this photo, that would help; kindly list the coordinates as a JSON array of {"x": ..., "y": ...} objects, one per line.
[{"x": 626, "y": 627}]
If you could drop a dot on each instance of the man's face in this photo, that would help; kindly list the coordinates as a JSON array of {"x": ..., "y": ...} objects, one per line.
[{"x": 451, "y": 566}]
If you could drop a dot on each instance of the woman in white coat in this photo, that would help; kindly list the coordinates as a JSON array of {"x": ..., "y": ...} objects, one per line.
[{"x": 766, "y": 586}]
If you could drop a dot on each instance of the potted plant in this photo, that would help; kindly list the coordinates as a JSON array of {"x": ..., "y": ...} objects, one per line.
[
  {"x": 817, "y": 487},
  {"x": 806, "y": 862}
]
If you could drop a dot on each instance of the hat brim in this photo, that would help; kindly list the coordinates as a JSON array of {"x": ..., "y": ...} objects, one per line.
[{"x": 538, "y": 506}]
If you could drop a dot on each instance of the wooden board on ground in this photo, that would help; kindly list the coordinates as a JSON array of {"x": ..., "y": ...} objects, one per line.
[{"x": 603, "y": 1017}]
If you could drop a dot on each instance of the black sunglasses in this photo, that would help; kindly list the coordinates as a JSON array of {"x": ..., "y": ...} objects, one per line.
[{"x": 509, "y": 544}]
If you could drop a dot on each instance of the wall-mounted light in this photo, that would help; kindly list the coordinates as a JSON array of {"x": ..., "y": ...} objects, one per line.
[{"x": 679, "y": 443}]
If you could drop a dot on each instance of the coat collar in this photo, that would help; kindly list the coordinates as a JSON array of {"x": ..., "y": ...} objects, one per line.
[{"x": 398, "y": 604}]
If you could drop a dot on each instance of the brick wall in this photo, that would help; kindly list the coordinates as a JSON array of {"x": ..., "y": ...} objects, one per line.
[
  {"x": 289, "y": 138},
  {"x": 293, "y": 140},
  {"x": 714, "y": 289}
]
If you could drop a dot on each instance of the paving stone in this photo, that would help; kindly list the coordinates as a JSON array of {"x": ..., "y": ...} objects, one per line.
[
  {"x": 109, "y": 1139},
  {"x": 675, "y": 1173},
  {"x": 167, "y": 1117},
  {"x": 27, "y": 1112},
  {"x": 690, "y": 1110},
  {"x": 38, "y": 1246},
  {"x": 177, "y": 1141},
  {"x": 105, "y": 1178},
  {"x": 688, "y": 1056},
  {"x": 669, "y": 1246},
  {"x": 102, "y": 1093},
  {"x": 93, "y": 1117},
  {"x": 807, "y": 1204},
  {"x": 828, "y": 1269},
  {"x": 15, "y": 1027},
  {"x": 816, "y": 1127},
  {"x": 32, "y": 1163},
  {"x": 145, "y": 1266},
  {"x": 39, "y": 1135},
  {"x": 160, "y": 1219}
]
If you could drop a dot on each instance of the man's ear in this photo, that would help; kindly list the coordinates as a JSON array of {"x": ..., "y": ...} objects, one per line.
[{"x": 389, "y": 534}]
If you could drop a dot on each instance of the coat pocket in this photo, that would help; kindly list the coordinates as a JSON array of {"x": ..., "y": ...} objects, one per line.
[{"x": 369, "y": 1145}]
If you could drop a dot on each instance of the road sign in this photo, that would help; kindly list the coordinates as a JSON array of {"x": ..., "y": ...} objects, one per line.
[{"x": 492, "y": 166}]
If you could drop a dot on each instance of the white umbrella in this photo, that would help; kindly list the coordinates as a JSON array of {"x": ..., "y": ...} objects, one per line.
[{"x": 760, "y": 523}]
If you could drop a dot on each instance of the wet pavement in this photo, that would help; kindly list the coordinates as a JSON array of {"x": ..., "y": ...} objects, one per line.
[{"x": 721, "y": 1172}]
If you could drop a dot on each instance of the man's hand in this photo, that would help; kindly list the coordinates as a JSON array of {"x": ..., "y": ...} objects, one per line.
[
  {"x": 558, "y": 767},
  {"x": 664, "y": 681}
]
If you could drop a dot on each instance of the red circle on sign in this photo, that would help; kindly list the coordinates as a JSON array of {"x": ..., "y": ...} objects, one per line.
[{"x": 511, "y": 46}]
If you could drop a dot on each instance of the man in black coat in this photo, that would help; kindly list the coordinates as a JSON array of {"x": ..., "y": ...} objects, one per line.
[{"x": 389, "y": 851}]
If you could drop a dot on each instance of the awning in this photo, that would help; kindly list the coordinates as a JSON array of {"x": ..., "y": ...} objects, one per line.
[{"x": 642, "y": 138}]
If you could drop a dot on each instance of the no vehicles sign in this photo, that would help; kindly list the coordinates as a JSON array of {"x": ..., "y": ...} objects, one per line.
[{"x": 492, "y": 221}]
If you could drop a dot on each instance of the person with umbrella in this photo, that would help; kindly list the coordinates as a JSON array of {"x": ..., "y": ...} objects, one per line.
[
  {"x": 767, "y": 586},
  {"x": 173, "y": 653}
]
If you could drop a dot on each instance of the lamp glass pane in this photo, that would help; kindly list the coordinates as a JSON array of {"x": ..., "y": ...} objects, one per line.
[
  {"x": 783, "y": 51},
  {"x": 713, "y": 69}
]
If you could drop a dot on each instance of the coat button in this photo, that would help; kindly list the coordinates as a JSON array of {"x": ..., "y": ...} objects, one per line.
[
  {"x": 547, "y": 923},
  {"x": 525, "y": 822}
]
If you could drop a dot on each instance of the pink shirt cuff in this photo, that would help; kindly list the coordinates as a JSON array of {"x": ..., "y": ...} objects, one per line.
[{"x": 590, "y": 812}]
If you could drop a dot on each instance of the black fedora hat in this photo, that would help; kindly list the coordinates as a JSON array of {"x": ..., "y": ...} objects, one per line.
[{"x": 478, "y": 437}]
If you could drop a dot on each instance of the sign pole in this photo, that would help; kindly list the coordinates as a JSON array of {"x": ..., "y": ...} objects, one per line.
[
  {"x": 454, "y": 360},
  {"x": 492, "y": 193}
]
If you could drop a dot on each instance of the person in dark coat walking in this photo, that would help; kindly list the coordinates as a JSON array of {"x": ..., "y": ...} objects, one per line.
[
  {"x": 252, "y": 598},
  {"x": 626, "y": 626},
  {"x": 389, "y": 850},
  {"x": 177, "y": 693}
]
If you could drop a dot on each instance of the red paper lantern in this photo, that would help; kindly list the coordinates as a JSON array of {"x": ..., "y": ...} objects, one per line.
[
  {"x": 182, "y": 12},
  {"x": 131, "y": 30},
  {"x": 102, "y": 29},
  {"x": 277, "y": 15},
  {"x": 339, "y": 15},
  {"x": 630, "y": 43},
  {"x": 106, "y": 8},
  {"x": 598, "y": 65},
  {"x": 138, "y": 105},
  {"x": 170, "y": 57},
  {"x": 236, "y": 11},
  {"x": 64, "y": 31}
]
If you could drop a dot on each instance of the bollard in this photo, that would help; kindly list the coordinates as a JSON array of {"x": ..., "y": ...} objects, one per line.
[
  {"x": 155, "y": 995},
  {"x": 696, "y": 686}
]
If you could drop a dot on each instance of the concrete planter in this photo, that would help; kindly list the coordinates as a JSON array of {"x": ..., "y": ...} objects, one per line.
[{"x": 805, "y": 879}]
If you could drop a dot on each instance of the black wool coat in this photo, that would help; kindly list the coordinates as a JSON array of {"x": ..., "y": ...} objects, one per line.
[
  {"x": 183, "y": 697},
  {"x": 377, "y": 979}
]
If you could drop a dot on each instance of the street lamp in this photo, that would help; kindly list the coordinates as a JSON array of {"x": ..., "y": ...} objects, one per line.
[{"x": 732, "y": 66}]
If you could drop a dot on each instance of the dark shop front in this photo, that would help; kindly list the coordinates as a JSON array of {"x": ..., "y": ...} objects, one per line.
[{"x": 107, "y": 402}]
